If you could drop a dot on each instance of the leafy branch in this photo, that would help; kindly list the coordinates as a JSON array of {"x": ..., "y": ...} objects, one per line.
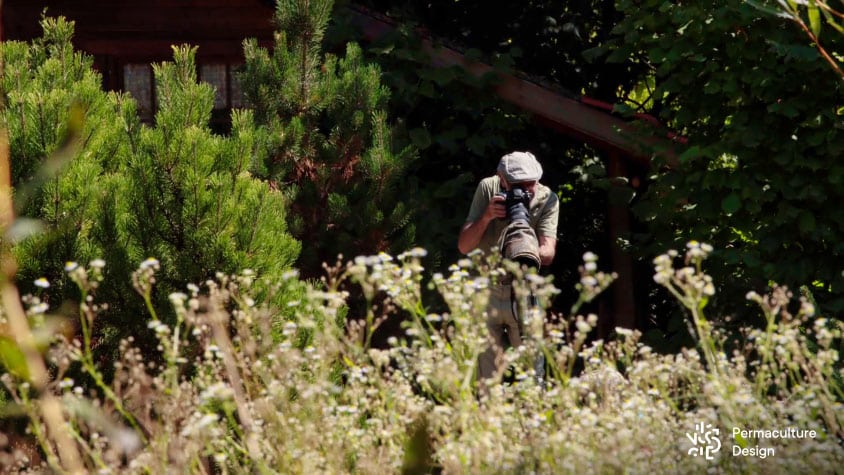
[{"x": 812, "y": 10}]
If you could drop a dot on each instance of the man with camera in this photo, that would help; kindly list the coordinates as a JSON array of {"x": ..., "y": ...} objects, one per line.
[{"x": 513, "y": 212}]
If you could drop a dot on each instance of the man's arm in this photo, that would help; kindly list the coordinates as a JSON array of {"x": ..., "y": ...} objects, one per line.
[
  {"x": 472, "y": 232},
  {"x": 547, "y": 230},
  {"x": 547, "y": 250}
]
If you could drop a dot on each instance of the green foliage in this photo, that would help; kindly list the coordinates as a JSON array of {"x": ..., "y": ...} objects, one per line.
[
  {"x": 759, "y": 107},
  {"x": 807, "y": 15},
  {"x": 173, "y": 191},
  {"x": 457, "y": 123},
  {"x": 40, "y": 82},
  {"x": 187, "y": 195},
  {"x": 550, "y": 40},
  {"x": 330, "y": 146},
  {"x": 462, "y": 127},
  {"x": 458, "y": 115}
]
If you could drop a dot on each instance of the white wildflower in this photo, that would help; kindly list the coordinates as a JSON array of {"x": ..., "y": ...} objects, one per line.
[
  {"x": 42, "y": 283},
  {"x": 150, "y": 263},
  {"x": 97, "y": 264}
]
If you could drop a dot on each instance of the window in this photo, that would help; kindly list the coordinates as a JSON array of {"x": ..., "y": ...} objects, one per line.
[
  {"x": 139, "y": 82},
  {"x": 223, "y": 78}
]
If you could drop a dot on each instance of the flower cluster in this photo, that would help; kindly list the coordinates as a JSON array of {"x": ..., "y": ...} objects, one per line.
[
  {"x": 690, "y": 279},
  {"x": 592, "y": 281}
]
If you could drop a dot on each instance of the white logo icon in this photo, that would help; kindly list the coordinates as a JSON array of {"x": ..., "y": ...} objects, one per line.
[{"x": 705, "y": 441}]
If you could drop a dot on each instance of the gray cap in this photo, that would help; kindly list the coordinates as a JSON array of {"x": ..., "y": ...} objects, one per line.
[{"x": 520, "y": 166}]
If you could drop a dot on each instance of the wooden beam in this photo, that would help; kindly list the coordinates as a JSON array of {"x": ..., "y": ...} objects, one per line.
[{"x": 177, "y": 21}]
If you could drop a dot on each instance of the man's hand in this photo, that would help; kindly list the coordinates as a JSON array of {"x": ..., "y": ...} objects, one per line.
[
  {"x": 470, "y": 235},
  {"x": 495, "y": 208}
]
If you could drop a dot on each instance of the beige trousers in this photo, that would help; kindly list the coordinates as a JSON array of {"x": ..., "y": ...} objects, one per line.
[{"x": 501, "y": 315}]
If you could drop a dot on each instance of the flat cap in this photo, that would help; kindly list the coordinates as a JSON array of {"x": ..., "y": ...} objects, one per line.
[{"x": 518, "y": 167}]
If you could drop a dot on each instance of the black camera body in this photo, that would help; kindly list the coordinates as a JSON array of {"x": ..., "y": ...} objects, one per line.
[{"x": 517, "y": 203}]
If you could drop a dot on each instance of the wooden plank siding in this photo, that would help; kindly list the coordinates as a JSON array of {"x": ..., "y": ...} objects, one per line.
[
  {"x": 192, "y": 21},
  {"x": 121, "y": 32}
]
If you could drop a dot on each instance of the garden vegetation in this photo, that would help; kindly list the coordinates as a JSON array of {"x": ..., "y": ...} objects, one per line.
[{"x": 154, "y": 316}]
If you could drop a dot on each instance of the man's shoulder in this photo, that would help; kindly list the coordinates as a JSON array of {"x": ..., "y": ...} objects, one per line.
[
  {"x": 489, "y": 185},
  {"x": 491, "y": 182},
  {"x": 544, "y": 193}
]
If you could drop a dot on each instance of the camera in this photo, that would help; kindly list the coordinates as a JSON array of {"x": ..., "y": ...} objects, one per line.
[
  {"x": 517, "y": 202},
  {"x": 518, "y": 242}
]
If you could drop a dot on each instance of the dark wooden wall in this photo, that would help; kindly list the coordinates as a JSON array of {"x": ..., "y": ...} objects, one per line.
[
  {"x": 120, "y": 32},
  {"x": 146, "y": 27}
]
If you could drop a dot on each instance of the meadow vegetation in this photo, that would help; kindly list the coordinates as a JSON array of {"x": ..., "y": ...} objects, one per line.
[{"x": 233, "y": 388}]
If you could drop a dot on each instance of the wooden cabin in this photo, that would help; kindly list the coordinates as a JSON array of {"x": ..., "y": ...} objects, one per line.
[{"x": 126, "y": 36}]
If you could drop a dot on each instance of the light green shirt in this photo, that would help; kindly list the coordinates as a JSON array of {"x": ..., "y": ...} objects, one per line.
[{"x": 544, "y": 212}]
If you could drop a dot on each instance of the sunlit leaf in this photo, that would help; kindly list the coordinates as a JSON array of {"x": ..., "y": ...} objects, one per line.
[
  {"x": 814, "y": 18},
  {"x": 741, "y": 441},
  {"x": 13, "y": 358}
]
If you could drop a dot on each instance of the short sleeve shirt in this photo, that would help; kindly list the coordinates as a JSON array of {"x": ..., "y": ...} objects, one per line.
[{"x": 544, "y": 212}]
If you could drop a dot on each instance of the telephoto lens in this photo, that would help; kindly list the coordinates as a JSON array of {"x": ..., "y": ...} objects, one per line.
[{"x": 519, "y": 242}]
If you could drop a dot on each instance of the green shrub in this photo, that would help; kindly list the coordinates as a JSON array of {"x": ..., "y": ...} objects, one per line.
[
  {"x": 119, "y": 190},
  {"x": 761, "y": 111},
  {"x": 331, "y": 147}
]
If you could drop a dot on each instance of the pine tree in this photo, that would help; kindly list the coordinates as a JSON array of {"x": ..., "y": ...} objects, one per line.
[
  {"x": 57, "y": 157},
  {"x": 330, "y": 145},
  {"x": 173, "y": 191},
  {"x": 185, "y": 195}
]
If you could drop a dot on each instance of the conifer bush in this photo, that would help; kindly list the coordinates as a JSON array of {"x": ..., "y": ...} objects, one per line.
[
  {"x": 47, "y": 87},
  {"x": 187, "y": 197},
  {"x": 330, "y": 144},
  {"x": 109, "y": 187}
]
